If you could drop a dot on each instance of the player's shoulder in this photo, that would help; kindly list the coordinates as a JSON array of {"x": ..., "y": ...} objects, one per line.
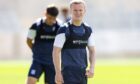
[
  {"x": 65, "y": 25},
  {"x": 59, "y": 22},
  {"x": 88, "y": 26},
  {"x": 63, "y": 28},
  {"x": 37, "y": 23}
]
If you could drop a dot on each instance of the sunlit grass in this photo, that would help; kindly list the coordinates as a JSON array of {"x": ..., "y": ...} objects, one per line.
[{"x": 106, "y": 72}]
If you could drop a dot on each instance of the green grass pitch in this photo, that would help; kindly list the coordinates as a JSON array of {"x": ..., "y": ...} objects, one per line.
[{"x": 106, "y": 72}]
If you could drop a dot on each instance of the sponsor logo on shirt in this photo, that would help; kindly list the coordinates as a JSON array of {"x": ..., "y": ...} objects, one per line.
[
  {"x": 79, "y": 42},
  {"x": 47, "y": 37},
  {"x": 53, "y": 29}
]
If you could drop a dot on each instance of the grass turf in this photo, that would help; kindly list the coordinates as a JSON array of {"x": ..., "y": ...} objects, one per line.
[{"x": 106, "y": 72}]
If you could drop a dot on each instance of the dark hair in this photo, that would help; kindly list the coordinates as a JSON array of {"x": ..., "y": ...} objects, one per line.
[{"x": 52, "y": 10}]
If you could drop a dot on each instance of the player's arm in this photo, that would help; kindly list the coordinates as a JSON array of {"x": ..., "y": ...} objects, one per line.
[
  {"x": 31, "y": 35},
  {"x": 90, "y": 72},
  {"x": 57, "y": 64},
  {"x": 57, "y": 58},
  {"x": 29, "y": 42},
  {"x": 58, "y": 44},
  {"x": 91, "y": 48}
]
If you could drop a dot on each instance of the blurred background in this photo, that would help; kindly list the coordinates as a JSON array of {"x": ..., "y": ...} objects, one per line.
[{"x": 116, "y": 26}]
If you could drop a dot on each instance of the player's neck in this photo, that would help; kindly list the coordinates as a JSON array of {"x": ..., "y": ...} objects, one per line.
[
  {"x": 76, "y": 23},
  {"x": 46, "y": 22}
]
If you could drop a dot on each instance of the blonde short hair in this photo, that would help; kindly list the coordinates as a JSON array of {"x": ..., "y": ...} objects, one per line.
[{"x": 77, "y": 2}]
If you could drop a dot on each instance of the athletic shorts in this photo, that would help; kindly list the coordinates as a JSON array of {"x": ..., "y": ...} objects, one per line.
[
  {"x": 37, "y": 69},
  {"x": 74, "y": 75}
]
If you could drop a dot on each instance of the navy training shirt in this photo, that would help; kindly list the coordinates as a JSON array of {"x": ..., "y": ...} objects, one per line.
[
  {"x": 43, "y": 42},
  {"x": 74, "y": 50}
]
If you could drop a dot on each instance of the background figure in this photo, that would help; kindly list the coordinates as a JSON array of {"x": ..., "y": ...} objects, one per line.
[{"x": 65, "y": 14}]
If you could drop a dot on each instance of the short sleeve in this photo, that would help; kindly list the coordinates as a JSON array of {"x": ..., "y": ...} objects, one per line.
[
  {"x": 91, "y": 40},
  {"x": 34, "y": 26},
  {"x": 60, "y": 37},
  {"x": 59, "y": 40},
  {"x": 32, "y": 32}
]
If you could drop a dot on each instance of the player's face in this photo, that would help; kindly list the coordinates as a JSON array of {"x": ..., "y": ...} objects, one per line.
[
  {"x": 50, "y": 19},
  {"x": 65, "y": 12},
  {"x": 77, "y": 11}
]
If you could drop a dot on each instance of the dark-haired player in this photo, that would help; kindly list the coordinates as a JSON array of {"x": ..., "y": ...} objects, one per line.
[{"x": 40, "y": 39}]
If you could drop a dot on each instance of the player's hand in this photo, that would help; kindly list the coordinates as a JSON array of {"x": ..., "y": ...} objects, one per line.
[
  {"x": 59, "y": 78},
  {"x": 90, "y": 73}
]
